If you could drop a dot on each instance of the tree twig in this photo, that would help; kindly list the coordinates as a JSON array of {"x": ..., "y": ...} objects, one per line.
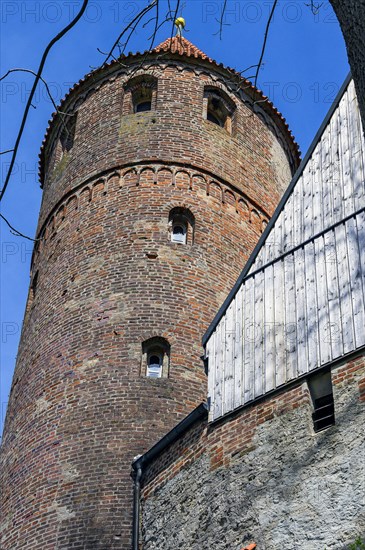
[
  {"x": 133, "y": 25},
  {"x": 34, "y": 87},
  {"x": 265, "y": 40},
  {"x": 15, "y": 232},
  {"x": 220, "y": 32},
  {"x": 314, "y": 7},
  {"x": 42, "y": 80}
]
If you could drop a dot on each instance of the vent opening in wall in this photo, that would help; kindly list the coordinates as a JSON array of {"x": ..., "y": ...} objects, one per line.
[
  {"x": 320, "y": 387},
  {"x": 155, "y": 358},
  {"x": 32, "y": 292},
  {"x": 181, "y": 226},
  {"x": 218, "y": 108},
  {"x": 143, "y": 106}
]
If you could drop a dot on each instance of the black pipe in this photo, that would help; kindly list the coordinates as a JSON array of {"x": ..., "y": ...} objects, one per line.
[{"x": 136, "y": 501}]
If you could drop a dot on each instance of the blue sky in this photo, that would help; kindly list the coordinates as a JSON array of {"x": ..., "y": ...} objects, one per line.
[{"x": 304, "y": 66}]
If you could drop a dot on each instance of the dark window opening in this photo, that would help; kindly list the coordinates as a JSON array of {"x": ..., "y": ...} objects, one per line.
[
  {"x": 217, "y": 112},
  {"x": 154, "y": 369},
  {"x": 143, "y": 107},
  {"x": 178, "y": 234},
  {"x": 213, "y": 119},
  {"x": 68, "y": 131},
  {"x": 32, "y": 292},
  {"x": 320, "y": 387},
  {"x": 34, "y": 284},
  {"x": 219, "y": 108}
]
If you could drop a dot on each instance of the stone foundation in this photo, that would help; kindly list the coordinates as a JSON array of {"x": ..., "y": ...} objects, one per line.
[{"x": 263, "y": 476}]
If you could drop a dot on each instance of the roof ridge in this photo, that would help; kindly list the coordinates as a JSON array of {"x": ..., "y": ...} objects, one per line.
[{"x": 181, "y": 45}]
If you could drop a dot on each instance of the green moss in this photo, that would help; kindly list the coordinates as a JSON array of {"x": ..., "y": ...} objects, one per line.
[
  {"x": 359, "y": 544},
  {"x": 135, "y": 123},
  {"x": 60, "y": 167}
]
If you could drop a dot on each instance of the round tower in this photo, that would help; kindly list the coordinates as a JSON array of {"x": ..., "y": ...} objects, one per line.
[{"x": 157, "y": 183}]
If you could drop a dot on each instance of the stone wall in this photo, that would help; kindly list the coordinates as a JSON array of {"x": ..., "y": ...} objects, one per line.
[{"x": 263, "y": 476}]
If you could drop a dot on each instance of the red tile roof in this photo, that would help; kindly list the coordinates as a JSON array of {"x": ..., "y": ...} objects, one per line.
[{"x": 179, "y": 44}]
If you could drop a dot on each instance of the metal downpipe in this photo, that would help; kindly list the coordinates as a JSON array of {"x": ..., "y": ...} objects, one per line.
[{"x": 136, "y": 508}]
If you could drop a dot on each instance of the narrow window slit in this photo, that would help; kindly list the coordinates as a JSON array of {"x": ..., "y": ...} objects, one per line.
[
  {"x": 155, "y": 358},
  {"x": 181, "y": 226}
]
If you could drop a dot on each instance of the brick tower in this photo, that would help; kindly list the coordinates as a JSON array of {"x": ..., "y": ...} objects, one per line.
[{"x": 156, "y": 186}]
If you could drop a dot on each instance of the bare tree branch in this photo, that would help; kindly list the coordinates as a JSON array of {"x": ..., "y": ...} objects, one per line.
[
  {"x": 260, "y": 63},
  {"x": 15, "y": 232},
  {"x": 173, "y": 19},
  {"x": 42, "y": 80},
  {"x": 34, "y": 87},
  {"x": 153, "y": 37},
  {"x": 265, "y": 40},
  {"x": 220, "y": 21},
  {"x": 314, "y": 7},
  {"x": 133, "y": 24}
]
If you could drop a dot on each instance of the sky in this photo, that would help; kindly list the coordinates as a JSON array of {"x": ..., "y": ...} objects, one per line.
[{"x": 304, "y": 66}]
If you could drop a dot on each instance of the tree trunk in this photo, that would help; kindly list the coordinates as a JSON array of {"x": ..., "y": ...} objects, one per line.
[{"x": 351, "y": 16}]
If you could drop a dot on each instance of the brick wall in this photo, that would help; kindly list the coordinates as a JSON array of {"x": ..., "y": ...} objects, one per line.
[
  {"x": 108, "y": 278},
  {"x": 262, "y": 475},
  {"x": 250, "y": 159}
]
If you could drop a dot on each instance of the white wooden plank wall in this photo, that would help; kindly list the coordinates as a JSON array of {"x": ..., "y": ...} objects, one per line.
[
  {"x": 296, "y": 314},
  {"x": 331, "y": 187}
]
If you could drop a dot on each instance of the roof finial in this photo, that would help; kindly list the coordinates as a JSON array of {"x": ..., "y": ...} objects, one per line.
[{"x": 180, "y": 25}]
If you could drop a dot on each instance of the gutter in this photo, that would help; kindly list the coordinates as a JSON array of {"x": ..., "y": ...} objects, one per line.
[{"x": 140, "y": 462}]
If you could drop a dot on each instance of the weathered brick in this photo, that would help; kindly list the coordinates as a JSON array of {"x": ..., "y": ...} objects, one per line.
[{"x": 109, "y": 279}]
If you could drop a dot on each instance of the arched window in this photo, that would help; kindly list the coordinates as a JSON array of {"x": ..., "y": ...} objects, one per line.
[
  {"x": 155, "y": 358},
  {"x": 140, "y": 94},
  {"x": 179, "y": 232},
  {"x": 154, "y": 365},
  {"x": 181, "y": 226},
  {"x": 218, "y": 107}
]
